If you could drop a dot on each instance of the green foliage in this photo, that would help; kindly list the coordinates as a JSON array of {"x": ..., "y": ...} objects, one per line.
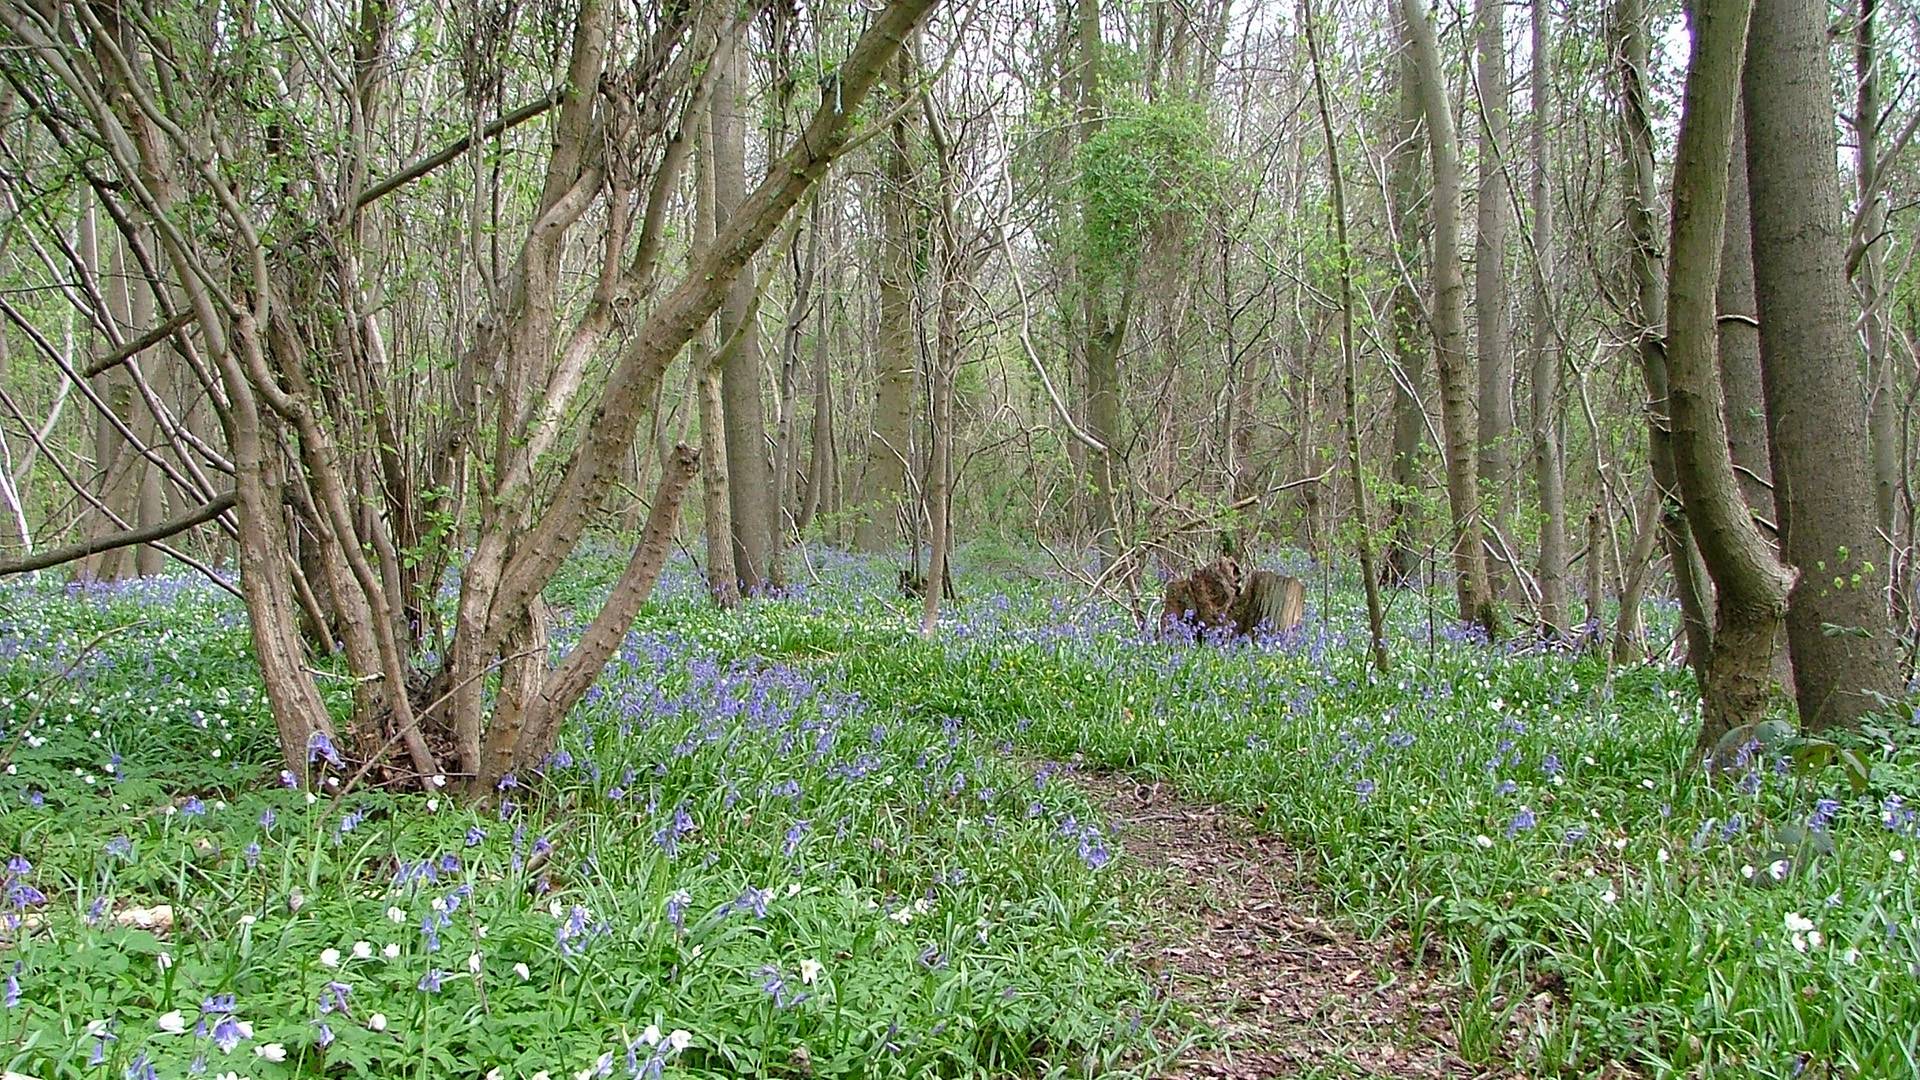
[
  {"x": 1532, "y": 822},
  {"x": 1150, "y": 164}
]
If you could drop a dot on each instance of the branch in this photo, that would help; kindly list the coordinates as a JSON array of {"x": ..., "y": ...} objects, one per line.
[
  {"x": 457, "y": 147},
  {"x": 126, "y": 538},
  {"x": 138, "y": 345}
]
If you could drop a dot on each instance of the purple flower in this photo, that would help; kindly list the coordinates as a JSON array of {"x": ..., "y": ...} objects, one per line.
[
  {"x": 267, "y": 818},
  {"x": 475, "y": 835},
  {"x": 1521, "y": 822},
  {"x": 228, "y": 1032},
  {"x": 333, "y": 997},
  {"x": 1823, "y": 812},
  {"x": 754, "y": 900},
  {"x": 120, "y": 848},
  {"x": 320, "y": 746},
  {"x": 252, "y": 854},
  {"x": 323, "y": 1034},
  {"x": 141, "y": 1069},
  {"x": 218, "y": 1005},
  {"x": 1364, "y": 789},
  {"x": 795, "y": 834},
  {"x": 193, "y": 807},
  {"x": 12, "y": 997},
  {"x": 430, "y": 982}
]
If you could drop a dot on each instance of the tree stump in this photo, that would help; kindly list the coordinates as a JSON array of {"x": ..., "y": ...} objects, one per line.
[
  {"x": 1270, "y": 603},
  {"x": 1204, "y": 599}
]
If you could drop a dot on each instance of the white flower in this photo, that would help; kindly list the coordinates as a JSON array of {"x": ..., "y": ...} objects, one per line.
[
  {"x": 480, "y": 931},
  {"x": 163, "y": 961},
  {"x": 1815, "y": 938},
  {"x": 1798, "y": 923},
  {"x": 437, "y": 780},
  {"x": 1799, "y": 942},
  {"x": 172, "y": 1023},
  {"x": 793, "y": 888},
  {"x": 362, "y": 950},
  {"x": 473, "y": 963},
  {"x": 679, "y": 1039},
  {"x": 1483, "y": 840},
  {"x": 391, "y": 950},
  {"x": 1898, "y": 855},
  {"x": 1851, "y": 956},
  {"x": 396, "y": 915},
  {"x": 521, "y": 970},
  {"x": 809, "y": 971},
  {"x": 651, "y": 1036},
  {"x": 330, "y": 958},
  {"x": 1647, "y": 783},
  {"x": 271, "y": 1051},
  {"x": 1609, "y": 896},
  {"x": 1746, "y": 871},
  {"x": 228, "y": 1075},
  {"x": 377, "y": 1022},
  {"x": 903, "y": 916},
  {"x": 1663, "y": 856},
  {"x": 1620, "y": 844},
  {"x": 433, "y": 805},
  {"x": 1778, "y": 869},
  {"x": 438, "y": 903}
]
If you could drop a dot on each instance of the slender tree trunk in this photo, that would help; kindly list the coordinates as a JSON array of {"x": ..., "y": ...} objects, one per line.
[
  {"x": 1749, "y": 582},
  {"x": 1449, "y": 327},
  {"x": 1548, "y": 423},
  {"x": 749, "y": 478},
  {"x": 1844, "y": 651},
  {"x": 1883, "y": 423},
  {"x": 1105, "y": 314},
  {"x": 1403, "y": 561},
  {"x": 1356, "y": 473},
  {"x": 1490, "y": 278},
  {"x": 1650, "y": 312}
]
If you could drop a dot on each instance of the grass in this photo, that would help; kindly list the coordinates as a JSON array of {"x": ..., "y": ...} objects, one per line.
[{"x": 1530, "y": 820}]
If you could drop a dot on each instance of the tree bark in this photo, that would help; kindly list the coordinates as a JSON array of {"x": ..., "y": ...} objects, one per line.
[
  {"x": 1749, "y": 582},
  {"x": 1449, "y": 327},
  {"x": 883, "y": 486},
  {"x": 1404, "y": 559},
  {"x": 1490, "y": 277},
  {"x": 1349, "y": 365},
  {"x": 1548, "y": 423},
  {"x": 1844, "y": 651},
  {"x": 1650, "y": 313},
  {"x": 749, "y": 477}
]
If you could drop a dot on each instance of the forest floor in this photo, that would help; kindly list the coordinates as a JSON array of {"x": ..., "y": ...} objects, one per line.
[{"x": 1284, "y": 991}]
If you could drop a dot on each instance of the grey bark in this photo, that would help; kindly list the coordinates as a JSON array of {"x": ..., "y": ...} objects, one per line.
[{"x": 1844, "y": 651}]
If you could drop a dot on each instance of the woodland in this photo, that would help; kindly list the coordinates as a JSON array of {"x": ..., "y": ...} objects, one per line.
[{"x": 1191, "y": 538}]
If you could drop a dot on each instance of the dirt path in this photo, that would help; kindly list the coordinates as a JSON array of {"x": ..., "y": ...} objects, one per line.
[{"x": 1286, "y": 992}]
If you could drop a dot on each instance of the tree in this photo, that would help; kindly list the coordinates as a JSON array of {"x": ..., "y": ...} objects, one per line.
[
  {"x": 1408, "y": 219},
  {"x": 1837, "y": 626},
  {"x": 270, "y": 270},
  {"x": 883, "y": 488},
  {"x": 1495, "y": 366},
  {"x": 1449, "y": 327},
  {"x": 1548, "y": 423},
  {"x": 1749, "y": 582}
]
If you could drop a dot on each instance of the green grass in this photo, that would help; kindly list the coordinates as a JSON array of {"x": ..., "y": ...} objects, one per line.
[{"x": 1531, "y": 822}]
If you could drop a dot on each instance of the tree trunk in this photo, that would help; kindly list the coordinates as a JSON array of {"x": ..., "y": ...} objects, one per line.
[
  {"x": 1844, "y": 651},
  {"x": 1449, "y": 327},
  {"x": 1883, "y": 421},
  {"x": 749, "y": 479},
  {"x": 1548, "y": 424},
  {"x": 1650, "y": 313},
  {"x": 1749, "y": 582},
  {"x": 1490, "y": 277},
  {"x": 1403, "y": 561},
  {"x": 884, "y": 481},
  {"x": 1363, "y": 533}
]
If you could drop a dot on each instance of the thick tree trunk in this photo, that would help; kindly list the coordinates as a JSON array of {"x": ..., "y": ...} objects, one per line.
[
  {"x": 1490, "y": 277},
  {"x": 1844, "y": 651},
  {"x": 1749, "y": 582},
  {"x": 883, "y": 485},
  {"x": 749, "y": 478},
  {"x": 1410, "y": 339},
  {"x": 1548, "y": 424},
  {"x": 1650, "y": 313},
  {"x": 1449, "y": 327}
]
